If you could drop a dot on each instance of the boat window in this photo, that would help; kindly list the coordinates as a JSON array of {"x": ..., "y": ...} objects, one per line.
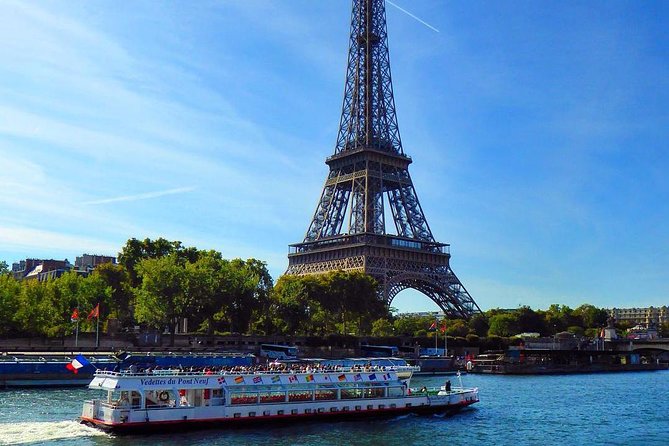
[
  {"x": 272, "y": 397},
  {"x": 161, "y": 398},
  {"x": 373, "y": 392},
  {"x": 351, "y": 393},
  {"x": 299, "y": 395},
  {"x": 243, "y": 398},
  {"x": 395, "y": 391},
  {"x": 326, "y": 394}
]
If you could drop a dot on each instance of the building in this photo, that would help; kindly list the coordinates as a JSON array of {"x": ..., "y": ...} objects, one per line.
[
  {"x": 88, "y": 262},
  {"x": 650, "y": 316},
  {"x": 40, "y": 269},
  {"x": 45, "y": 269}
]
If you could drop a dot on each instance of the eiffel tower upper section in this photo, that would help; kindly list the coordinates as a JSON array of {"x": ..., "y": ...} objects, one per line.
[
  {"x": 368, "y": 144},
  {"x": 369, "y": 183}
]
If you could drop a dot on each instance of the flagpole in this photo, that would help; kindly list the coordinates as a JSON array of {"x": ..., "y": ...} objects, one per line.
[
  {"x": 97, "y": 331},
  {"x": 445, "y": 341},
  {"x": 76, "y": 334},
  {"x": 436, "y": 336}
]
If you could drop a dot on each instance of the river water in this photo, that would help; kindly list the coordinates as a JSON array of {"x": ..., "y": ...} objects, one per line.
[{"x": 591, "y": 409}]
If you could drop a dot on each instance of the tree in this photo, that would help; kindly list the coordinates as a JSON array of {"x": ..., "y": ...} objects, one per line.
[
  {"x": 135, "y": 251},
  {"x": 116, "y": 277},
  {"x": 479, "y": 324},
  {"x": 262, "y": 292},
  {"x": 591, "y": 316},
  {"x": 201, "y": 286},
  {"x": 351, "y": 294},
  {"x": 382, "y": 327},
  {"x": 456, "y": 327},
  {"x": 35, "y": 309},
  {"x": 530, "y": 321},
  {"x": 161, "y": 299},
  {"x": 4, "y": 268},
  {"x": 10, "y": 292},
  {"x": 291, "y": 305},
  {"x": 504, "y": 325},
  {"x": 558, "y": 318},
  {"x": 64, "y": 294}
]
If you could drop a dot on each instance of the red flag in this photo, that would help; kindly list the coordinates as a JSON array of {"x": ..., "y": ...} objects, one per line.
[
  {"x": 443, "y": 327},
  {"x": 95, "y": 312},
  {"x": 75, "y": 315},
  {"x": 434, "y": 325}
]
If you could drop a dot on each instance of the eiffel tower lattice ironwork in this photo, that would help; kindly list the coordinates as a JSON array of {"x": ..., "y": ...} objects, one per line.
[{"x": 369, "y": 181}]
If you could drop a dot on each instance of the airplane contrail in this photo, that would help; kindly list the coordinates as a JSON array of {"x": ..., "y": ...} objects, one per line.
[
  {"x": 413, "y": 16},
  {"x": 143, "y": 196}
]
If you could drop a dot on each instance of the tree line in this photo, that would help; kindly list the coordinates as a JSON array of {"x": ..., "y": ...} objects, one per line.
[{"x": 158, "y": 283}]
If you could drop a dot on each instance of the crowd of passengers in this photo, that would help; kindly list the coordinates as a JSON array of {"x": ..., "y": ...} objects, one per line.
[{"x": 269, "y": 368}]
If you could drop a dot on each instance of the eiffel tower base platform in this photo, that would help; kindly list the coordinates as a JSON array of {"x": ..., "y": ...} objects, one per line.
[{"x": 396, "y": 264}]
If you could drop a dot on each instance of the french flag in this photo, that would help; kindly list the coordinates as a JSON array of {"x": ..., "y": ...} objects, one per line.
[{"x": 77, "y": 363}]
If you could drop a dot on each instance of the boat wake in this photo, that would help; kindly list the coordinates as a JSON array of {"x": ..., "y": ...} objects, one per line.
[{"x": 38, "y": 433}]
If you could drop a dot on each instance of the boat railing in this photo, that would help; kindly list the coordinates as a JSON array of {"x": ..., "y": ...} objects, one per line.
[{"x": 180, "y": 372}]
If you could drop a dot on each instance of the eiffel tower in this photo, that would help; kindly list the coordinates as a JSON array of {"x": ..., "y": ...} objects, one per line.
[{"x": 369, "y": 182}]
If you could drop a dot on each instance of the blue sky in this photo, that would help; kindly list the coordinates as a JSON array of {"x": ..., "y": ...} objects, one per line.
[{"x": 538, "y": 132}]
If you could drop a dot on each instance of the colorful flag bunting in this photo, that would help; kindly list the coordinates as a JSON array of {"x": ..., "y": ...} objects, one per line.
[
  {"x": 358, "y": 377},
  {"x": 309, "y": 378},
  {"x": 342, "y": 377},
  {"x": 221, "y": 380},
  {"x": 257, "y": 379},
  {"x": 292, "y": 378},
  {"x": 239, "y": 379},
  {"x": 372, "y": 377},
  {"x": 276, "y": 379}
]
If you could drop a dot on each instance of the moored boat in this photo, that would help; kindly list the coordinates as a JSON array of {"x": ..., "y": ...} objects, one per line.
[{"x": 139, "y": 402}]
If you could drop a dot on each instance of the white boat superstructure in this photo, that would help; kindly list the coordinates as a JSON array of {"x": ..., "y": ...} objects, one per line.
[{"x": 162, "y": 398}]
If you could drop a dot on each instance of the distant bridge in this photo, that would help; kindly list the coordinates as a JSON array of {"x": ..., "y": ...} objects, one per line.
[{"x": 636, "y": 345}]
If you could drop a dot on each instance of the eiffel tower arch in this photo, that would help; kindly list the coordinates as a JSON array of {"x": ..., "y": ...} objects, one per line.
[{"x": 369, "y": 181}]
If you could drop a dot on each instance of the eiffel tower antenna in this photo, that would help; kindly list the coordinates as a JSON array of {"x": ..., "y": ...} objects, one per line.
[{"x": 368, "y": 181}]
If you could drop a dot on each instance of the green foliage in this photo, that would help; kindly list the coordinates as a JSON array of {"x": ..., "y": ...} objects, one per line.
[
  {"x": 10, "y": 293},
  {"x": 35, "y": 310},
  {"x": 339, "y": 301},
  {"x": 457, "y": 327},
  {"x": 162, "y": 299},
  {"x": 591, "y": 316},
  {"x": 135, "y": 251},
  {"x": 503, "y": 325},
  {"x": 121, "y": 298},
  {"x": 530, "y": 321},
  {"x": 4, "y": 268},
  {"x": 382, "y": 327},
  {"x": 479, "y": 324},
  {"x": 472, "y": 339},
  {"x": 158, "y": 282}
]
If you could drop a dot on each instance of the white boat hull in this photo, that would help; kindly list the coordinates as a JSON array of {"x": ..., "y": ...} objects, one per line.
[{"x": 133, "y": 420}]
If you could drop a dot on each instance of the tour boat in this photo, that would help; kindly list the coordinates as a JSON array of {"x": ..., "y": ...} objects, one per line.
[{"x": 138, "y": 402}]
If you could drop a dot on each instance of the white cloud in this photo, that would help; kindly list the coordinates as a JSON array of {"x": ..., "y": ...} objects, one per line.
[
  {"x": 37, "y": 240},
  {"x": 143, "y": 196}
]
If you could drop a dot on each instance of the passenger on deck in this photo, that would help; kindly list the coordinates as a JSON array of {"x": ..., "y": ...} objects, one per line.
[{"x": 123, "y": 401}]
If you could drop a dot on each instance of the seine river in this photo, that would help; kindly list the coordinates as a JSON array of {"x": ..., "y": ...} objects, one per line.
[{"x": 594, "y": 409}]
